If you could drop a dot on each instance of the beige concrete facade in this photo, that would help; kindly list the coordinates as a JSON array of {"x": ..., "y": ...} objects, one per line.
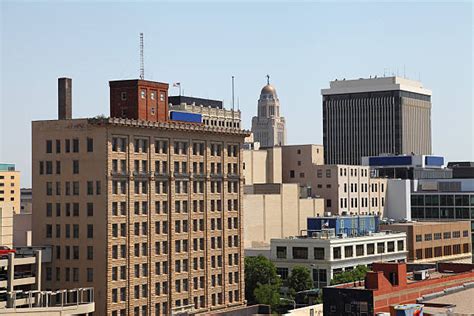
[
  {"x": 26, "y": 201},
  {"x": 10, "y": 188},
  {"x": 148, "y": 213},
  {"x": 262, "y": 165},
  {"x": 349, "y": 189},
  {"x": 299, "y": 163},
  {"x": 6, "y": 224},
  {"x": 22, "y": 230},
  {"x": 276, "y": 211},
  {"x": 436, "y": 241}
]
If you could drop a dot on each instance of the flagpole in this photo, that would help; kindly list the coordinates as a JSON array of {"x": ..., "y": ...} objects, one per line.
[{"x": 233, "y": 107}]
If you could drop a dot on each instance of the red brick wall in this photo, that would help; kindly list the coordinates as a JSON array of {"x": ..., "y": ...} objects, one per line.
[
  {"x": 152, "y": 107},
  {"x": 409, "y": 293},
  {"x": 455, "y": 267}
]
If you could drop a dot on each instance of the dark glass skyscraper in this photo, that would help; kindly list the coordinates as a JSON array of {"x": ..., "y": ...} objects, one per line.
[{"x": 368, "y": 117}]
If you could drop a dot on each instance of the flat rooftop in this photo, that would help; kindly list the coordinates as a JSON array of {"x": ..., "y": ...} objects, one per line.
[
  {"x": 423, "y": 223},
  {"x": 127, "y": 122},
  {"x": 463, "y": 300},
  {"x": 179, "y": 99},
  {"x": 326, "y": 235},
  {"x": 375, "y": 84}
]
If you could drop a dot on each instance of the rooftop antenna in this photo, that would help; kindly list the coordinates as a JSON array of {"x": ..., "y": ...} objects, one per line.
[
  {"x": 404, "y": 72},
  {"x": 238, "y": 104},
  {"x": 142, "y": 63},
  {"x": 233, "y": 100},
  {"x": 232, "y": 93}
]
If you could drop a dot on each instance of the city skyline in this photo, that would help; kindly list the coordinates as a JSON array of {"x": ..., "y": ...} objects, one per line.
[{"x": 201, "y": 49}]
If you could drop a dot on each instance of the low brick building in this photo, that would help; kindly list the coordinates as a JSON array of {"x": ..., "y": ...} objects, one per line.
[
  {"x": 436, "y": 241},
  {"x": 389, "y": 284}
]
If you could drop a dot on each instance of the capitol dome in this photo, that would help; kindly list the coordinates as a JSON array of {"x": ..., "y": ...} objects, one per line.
[
  {"x": 268, "y": 92},
  {"x": 268, "y": 89}
]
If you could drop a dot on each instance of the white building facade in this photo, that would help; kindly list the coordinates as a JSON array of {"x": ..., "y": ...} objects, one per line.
[{"x": 326, "y": 255}]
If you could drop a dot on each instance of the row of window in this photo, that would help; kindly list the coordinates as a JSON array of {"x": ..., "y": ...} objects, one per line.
[
  {"x": 142, "y": 187},
  {"x": 162, "y": 308},
  {"x": 46, "y": 167},
  {"x": 72, "y": 188},
  {"x": 446, "y": 235},
  {"x": 69, "y": 233},
  {"x": 70, "y": 274},
  {"x": 180, "y": 206},
  {"x": 220, "y": 123},
  {"x": 141, "y": 145},
  {"x": 69, "y": 145},
  {"x": 364, "y": 202},
  {"x": 442, "y": 200},
  {"x": 71, "y": 209},
  {"x": 73, "y": 252},
  {"x": 442, "y": 212},
  {"x": 360, "y": 250},
  {"x": 441, "y": 251}
]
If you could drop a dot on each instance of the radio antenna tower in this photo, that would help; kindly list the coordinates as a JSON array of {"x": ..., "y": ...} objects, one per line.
[{"x": 142, "y": 62}]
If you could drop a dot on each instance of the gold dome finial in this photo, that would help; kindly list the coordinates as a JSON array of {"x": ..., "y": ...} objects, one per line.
[{"x": 268, "y": 79}]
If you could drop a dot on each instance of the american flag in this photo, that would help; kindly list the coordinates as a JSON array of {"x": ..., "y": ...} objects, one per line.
[{"x": 177, "y": 84}]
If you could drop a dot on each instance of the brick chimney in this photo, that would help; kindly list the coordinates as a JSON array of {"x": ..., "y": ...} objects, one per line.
[{"x": 64, "y": 98}]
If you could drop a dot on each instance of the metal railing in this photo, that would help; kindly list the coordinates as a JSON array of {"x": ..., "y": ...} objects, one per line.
[{"x": 59, "y": 298}]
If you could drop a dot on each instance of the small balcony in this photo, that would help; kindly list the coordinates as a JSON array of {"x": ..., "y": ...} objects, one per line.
[
  {"x": 180, "y": 175},
  {"x": 119, "y": 174},
  {"x": 141, "y": 174},
  {"x": 160, "y": 174},
  {"x": 233, "y": 176}
]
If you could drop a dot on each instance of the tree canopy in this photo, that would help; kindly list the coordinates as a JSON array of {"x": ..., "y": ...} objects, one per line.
[
  {"x": 260, "y": 270},
  {"x": 268, "y": 294},
  {"x": 300, "y": 279},
  {"x": 350, "y": 276}
]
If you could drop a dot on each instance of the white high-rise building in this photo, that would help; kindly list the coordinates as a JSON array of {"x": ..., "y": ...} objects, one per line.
[{"x": 268, "y": 126}]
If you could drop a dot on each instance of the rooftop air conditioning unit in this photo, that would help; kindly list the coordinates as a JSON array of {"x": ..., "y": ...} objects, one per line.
[{"x": 420, "y": 275}]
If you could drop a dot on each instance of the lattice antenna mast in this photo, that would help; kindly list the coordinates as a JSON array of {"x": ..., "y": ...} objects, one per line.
[{"x": 142, "y": 62}]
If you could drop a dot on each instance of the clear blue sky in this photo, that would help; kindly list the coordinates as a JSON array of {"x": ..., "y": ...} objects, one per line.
[{"x": 301, "y": 45}]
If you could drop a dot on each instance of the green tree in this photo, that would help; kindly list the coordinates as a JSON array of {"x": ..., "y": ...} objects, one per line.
[
  {"x": 268, "y": 294},
  {"x": 350, "y": 276},
  {"x": 300, "y": 279},
  {"x": 259, "y": 270}
]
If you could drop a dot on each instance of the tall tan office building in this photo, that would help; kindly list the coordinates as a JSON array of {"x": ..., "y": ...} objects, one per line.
[
  {"x": 148, "y": 212},
  {"x": 369, "y": 117},
  {"x": 10, "y": 187}
]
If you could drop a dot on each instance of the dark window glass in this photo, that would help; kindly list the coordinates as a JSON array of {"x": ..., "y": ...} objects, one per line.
[
  {"x": 300, "y": 252},
  {"x": 75, "y": 145},
  {"x": 49, "y": 146},
  {"x": 90, "y": 145}
]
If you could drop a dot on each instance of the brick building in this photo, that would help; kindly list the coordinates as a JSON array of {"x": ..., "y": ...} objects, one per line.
[
  {"x": 145, "y": 210},
  {"x": 436, "y": 241},
  {"x": 389, "y": 284}
]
